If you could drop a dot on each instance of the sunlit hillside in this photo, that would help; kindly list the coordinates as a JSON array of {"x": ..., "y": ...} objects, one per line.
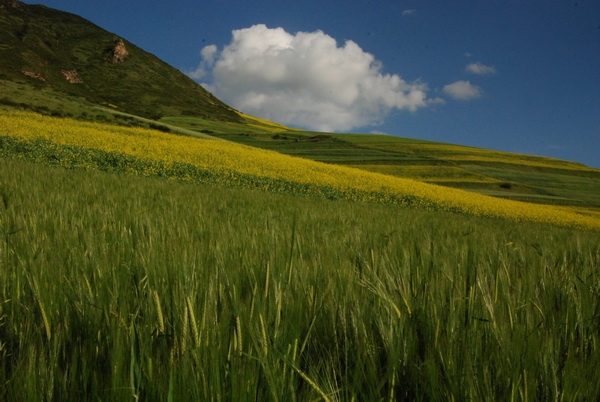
[
  {"x": 500, "y": 174},
  {"x": 70, "y": 142}
]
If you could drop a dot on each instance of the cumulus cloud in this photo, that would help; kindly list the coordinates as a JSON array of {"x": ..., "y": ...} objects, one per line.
[
  {"x": 307, "y": 80},
  {"x": 197, "y": 73},
  {"x": 462, "y": 90},
  {"x": 480, "y": 69},
  {"x": 208, "y": 54}
]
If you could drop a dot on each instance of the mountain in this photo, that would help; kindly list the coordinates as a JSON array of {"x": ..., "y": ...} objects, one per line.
[{"x": 54, "y": 52}]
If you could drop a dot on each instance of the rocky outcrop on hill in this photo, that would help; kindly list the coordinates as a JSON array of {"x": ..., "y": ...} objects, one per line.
[
  {"x": 10, "y": 3},
  {"x": 34, "y": 74},
  {"x": 72, "y": 76},
  {"x": 118, "y": 53}
]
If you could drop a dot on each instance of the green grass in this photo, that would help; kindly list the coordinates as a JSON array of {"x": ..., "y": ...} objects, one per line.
[
  {"x": 576, "y": 189},
  {"x": 500, "y": 174},
  {"x": 116, "y": 287},
  {"x": 210, "y": 127},
  {"x": 75, "y": 157},
  {"x": 22, "y": 96}
]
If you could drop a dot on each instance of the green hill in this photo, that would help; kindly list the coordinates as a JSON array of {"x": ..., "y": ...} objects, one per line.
[{"x": 62, "y": 60}]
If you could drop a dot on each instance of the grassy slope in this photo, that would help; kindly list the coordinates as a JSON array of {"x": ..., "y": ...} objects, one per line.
[
  {"x": 502, "y": 174},
  {"x": 40, "y": 40},
  {"x": 46, "y": 101},
  {"x": 117, "y": 287}
]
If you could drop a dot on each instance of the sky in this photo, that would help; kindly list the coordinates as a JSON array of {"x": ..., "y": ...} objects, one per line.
[{"x": 512, "y": 75}]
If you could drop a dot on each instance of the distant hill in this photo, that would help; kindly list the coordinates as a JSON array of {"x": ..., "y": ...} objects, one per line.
[
  {"x": 49, "y": 53},
  {"x": 500, "y": 174}
]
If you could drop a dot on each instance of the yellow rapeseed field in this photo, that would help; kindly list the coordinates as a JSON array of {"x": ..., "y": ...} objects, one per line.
[
  {"x": 223, "y": 156},
  {"x": 266, "y": 124},
  {"x": 429, "y": 173}
]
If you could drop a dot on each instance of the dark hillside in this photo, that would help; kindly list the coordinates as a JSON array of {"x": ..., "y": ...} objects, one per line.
[{"x": 49, "y": 49}]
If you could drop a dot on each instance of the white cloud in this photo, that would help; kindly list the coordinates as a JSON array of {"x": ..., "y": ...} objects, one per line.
[
  {"x": 197, "y": 73},
  {"x": 208, "y": 54},
  {"x": 463, "y": 90},
  {"x": 408, "y": 12},
  {"x": 436, "y": 101},
  {"x": 480, "y": 69},
  {"x": 307, "y": 80}
]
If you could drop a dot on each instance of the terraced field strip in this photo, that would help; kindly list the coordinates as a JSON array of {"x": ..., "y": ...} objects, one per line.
[{"x": 499, "y": 174}]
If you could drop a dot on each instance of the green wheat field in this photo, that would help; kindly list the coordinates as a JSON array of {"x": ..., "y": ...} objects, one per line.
[{"x": 119, "y": 287}]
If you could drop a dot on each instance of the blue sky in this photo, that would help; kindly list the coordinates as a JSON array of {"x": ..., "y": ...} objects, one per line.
[{"x": 513, "y": 75}]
